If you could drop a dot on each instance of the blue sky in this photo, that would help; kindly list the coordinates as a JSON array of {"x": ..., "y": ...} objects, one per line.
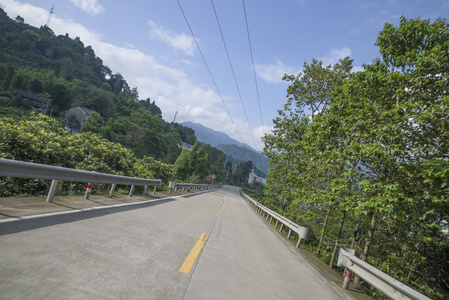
[{"x": 150, "y": 44}]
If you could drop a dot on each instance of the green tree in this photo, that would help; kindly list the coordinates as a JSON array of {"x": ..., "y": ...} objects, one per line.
[
  {"x": 301, "y": 171},
  {"x": 181, "y": 168},
  {"x": 376, "y": 149},
  {"x": 172, "y": 141},
  {"x": 218, "y": 169},
  {"x": 35, "y": 86},
  {"x": 10, "y": 71},
  {"x": 96, "y": 99},
  {"x": 93, "y": 123},
  {"x": 20, "y": 20},
  {"x": 313, "y": 88},
  {"x": 27, "y": 40},
  {"x": 65, "y": 68}
]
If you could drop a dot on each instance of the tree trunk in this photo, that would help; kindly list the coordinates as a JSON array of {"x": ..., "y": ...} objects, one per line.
[
  {"x": 353, "y": 237},
  {"x": 338, "y": 239},
  {"x": 414, "y": 262},
  {"x": 370, "y": 236},
  {"x": 322, "y": 233},
  {"x": 368, "y": 241}
]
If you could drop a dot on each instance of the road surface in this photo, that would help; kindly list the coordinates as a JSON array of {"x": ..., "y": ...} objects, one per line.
[{"x": 208, "y": 245}]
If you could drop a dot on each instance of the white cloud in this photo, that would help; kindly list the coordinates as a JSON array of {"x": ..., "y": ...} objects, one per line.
[
  {"x": 89, "y": 6},
  {"x": 33, "y": 15},
  {"x": 334, "y": 55},
  {"x": 130, "y": 45},
  {"x": 260, "y": 131},
  {"x": 273, "y": 73},
  {"x": 357, "y": 69},
  {"x": 182, "y": 42},
  {"x": 188, "y": 62}
]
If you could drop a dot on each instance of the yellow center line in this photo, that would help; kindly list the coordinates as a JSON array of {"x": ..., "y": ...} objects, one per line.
[
  {"x": 217, "y": 212},
  {"x": 191, "y": 258},
  {"x": 222, "y": 202}
]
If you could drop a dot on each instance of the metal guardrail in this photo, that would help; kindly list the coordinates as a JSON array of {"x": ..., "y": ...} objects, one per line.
[
  {"x": 302, "y": 232},
  {"x": 175, "y": 186},
  {"x": 381, "y": 281},
  {"x": 14, "y": 168}
]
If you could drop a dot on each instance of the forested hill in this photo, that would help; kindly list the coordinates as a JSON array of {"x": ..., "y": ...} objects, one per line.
[
  {"x": 234, "y": 150},
  {"x": 68, "y": 74},
  {"x": 236, "y": 153}
]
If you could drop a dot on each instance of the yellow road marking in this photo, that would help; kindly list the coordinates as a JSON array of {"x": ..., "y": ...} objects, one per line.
[
  {"x": 191, "y": 258},
  {"x": 222, "y": 202},
  {"x": 217, "y": 212}
]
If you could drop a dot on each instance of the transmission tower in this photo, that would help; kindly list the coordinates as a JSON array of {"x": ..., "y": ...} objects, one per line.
[{"x": 49, "y": 17}]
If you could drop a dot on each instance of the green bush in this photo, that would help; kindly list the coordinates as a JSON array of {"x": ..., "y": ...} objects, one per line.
[{"x": 41, "y": 139}]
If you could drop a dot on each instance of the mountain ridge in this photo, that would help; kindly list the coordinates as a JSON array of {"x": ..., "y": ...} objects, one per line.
[
  {"x": 233, "y": 149},
  {"x": 213, "y": 137}
]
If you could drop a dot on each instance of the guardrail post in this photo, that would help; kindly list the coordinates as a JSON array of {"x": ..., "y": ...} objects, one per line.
[
  {"x": 282, "y": 226},
  {"x": 89, "y": 188},
  {"x": 51, "y": 192},
  {"x": 131, "y": 191},
  {"x": 299, "y": 242},
  {"x": 276, "y": 226},
  {"x": 347, "y": 279},
  {"x": 289, "y": 234},
  {"x": 144, "y": 190},
  {"x": 111, "y": 192},
  {"x": 154, "y": 191}
]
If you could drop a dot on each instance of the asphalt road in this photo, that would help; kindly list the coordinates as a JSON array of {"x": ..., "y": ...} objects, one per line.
[{"x": 136, "y": 252}]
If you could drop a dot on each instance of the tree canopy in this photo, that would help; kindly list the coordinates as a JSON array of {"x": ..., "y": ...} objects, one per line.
[
  {"x": 362, "y": 158},
  {"x": 68, "y": 74}
]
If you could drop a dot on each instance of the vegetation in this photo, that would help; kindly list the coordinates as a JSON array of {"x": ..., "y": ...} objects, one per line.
[
  {"x": 260, "y": 162},
  {"x": 40, "y": 139},
  {"x": 368, "y": 167},
  {"x": 234, "y": 150},
  {"x": 67, "y": 74}
]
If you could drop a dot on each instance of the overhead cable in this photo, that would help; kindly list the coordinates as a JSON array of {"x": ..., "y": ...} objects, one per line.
[
  {"x": 254, "y": 69},
  {"x": 233, "y": 73},
  {"x": 208, "y": 69}
]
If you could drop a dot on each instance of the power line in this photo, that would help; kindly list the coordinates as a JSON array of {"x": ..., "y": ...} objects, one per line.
[
  {"x": 208, "y": 69},
  {"x": 254, "y": 69},
  {"x": 233, "y": 73}
]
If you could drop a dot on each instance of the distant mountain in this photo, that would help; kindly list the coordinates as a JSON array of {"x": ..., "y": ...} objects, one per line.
[
  {"x": 234, "y": 150},
  {"x": 236, "y": 153},
  {"x": 212, "y": 137}
]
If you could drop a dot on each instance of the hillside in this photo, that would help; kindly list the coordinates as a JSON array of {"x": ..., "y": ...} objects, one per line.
[
  {"x": 236, "y": 153},
  {"x": 212, "y": 137},
  {"x": 234, "y": 150},
  {"x": 43, "y": 72}
]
